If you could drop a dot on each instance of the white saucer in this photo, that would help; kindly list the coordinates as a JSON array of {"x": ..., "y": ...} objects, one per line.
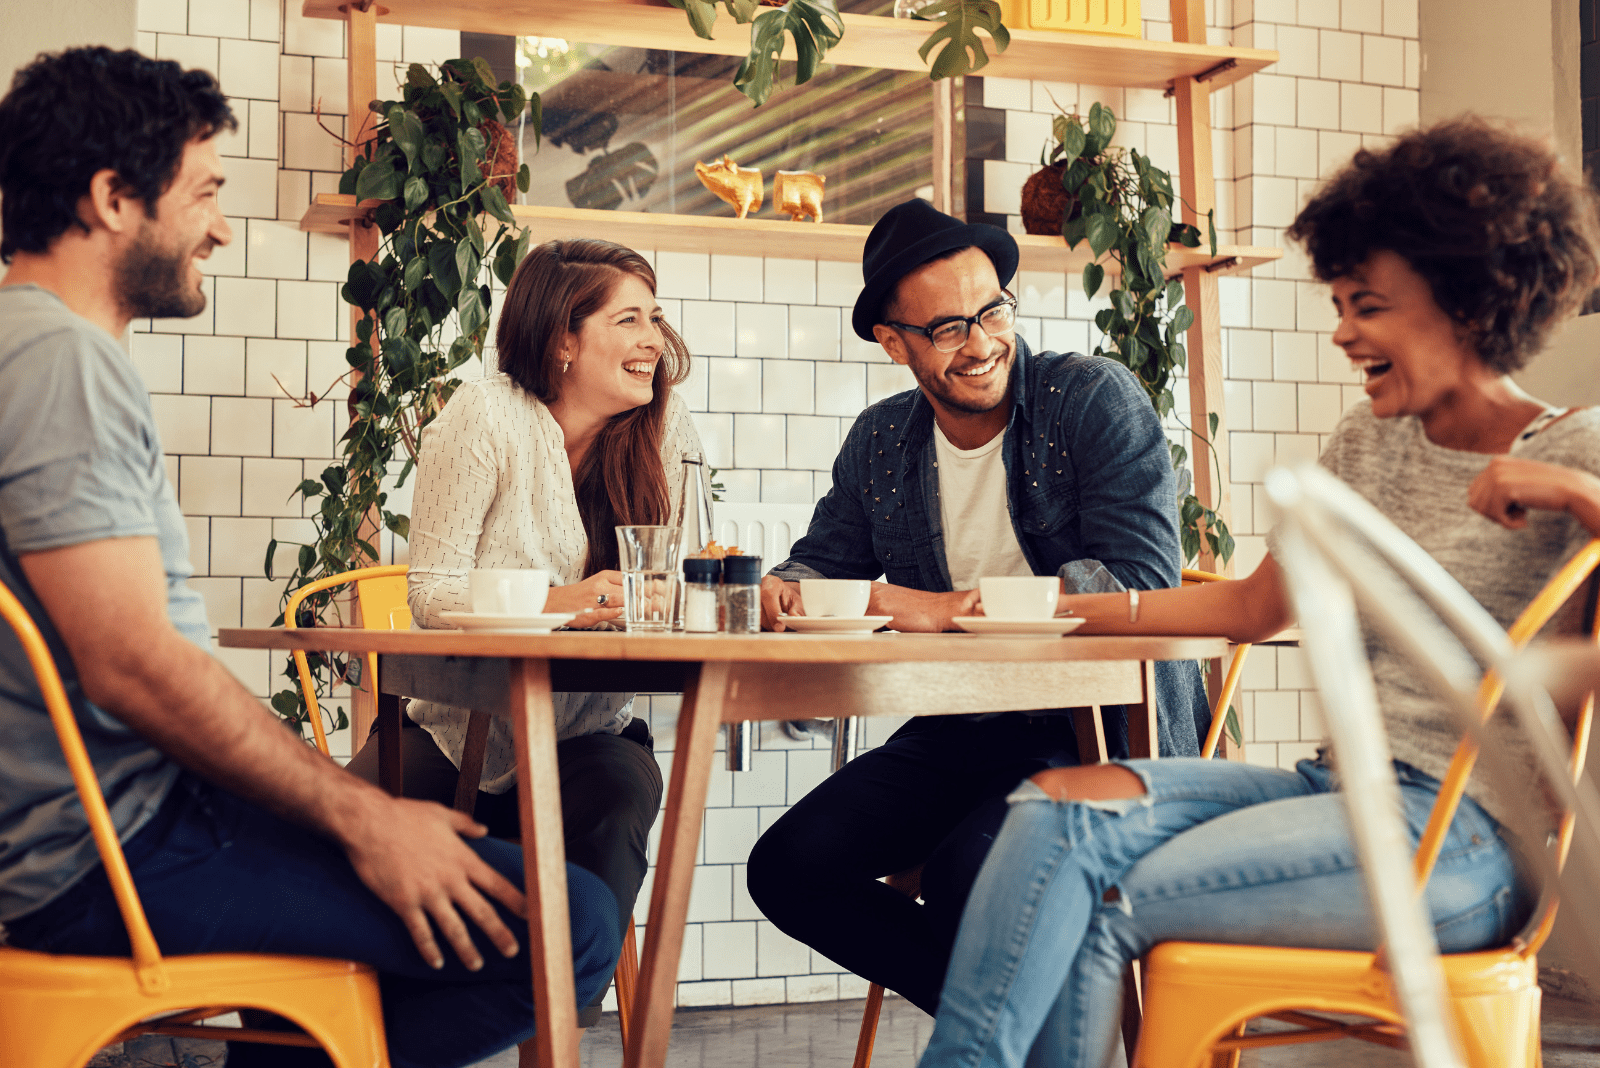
[
  {"x": 834, "y": 624},
  {"x": 537, "y": 624},
  {"x": 986, "y": 625}
]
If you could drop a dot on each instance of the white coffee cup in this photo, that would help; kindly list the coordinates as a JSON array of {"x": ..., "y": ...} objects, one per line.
[
  {"x": 506, "y": 591},
  {"x": 839, "y": 598},
  {"x": 1019, "y": 598}
]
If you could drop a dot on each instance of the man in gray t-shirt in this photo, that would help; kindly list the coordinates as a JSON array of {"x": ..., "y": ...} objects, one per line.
[{"x": 240, "y": 837}]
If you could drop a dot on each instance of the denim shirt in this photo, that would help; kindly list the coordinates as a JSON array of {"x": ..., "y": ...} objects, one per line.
[{"x": 1090, "y": 488}]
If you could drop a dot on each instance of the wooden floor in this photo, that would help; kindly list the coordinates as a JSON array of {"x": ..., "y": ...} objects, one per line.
[{"x": 823, "y": 1036}]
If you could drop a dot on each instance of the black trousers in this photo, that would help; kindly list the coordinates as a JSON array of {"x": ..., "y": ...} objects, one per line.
[
  {"x": 610, "y": 794},
  {"x": 934, "y": 794}
]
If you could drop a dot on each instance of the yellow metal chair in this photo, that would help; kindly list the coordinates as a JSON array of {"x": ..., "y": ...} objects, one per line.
[
  {"x": 909, "y": 882},
  {"x": 381, "y": 592},
  {"x": 57, "y": 1010},
  {"x": 1198, "y": 997}
]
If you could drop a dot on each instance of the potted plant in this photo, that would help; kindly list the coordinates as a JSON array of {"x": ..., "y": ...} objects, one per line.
[
  {"x": 1121, "y": 203},
  {"x": 444, "y": 167}
]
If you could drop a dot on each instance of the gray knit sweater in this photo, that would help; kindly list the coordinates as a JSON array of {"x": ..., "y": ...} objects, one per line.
[{"x": 1422, "y": 488}]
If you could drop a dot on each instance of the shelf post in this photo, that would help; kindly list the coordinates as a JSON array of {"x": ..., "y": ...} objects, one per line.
[
  {"x": 361, "y": 48},
  {"x": 1198, "y": 185}
]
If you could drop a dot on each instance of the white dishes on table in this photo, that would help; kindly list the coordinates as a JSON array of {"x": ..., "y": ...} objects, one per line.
[
  {"x": 833, "y": 624},
  {"x": 507, "y": 591},
  {"x": 1031, "y": 597},
  {"x": 508, "y": 622},
  {"x": 1014, "y": 627},
  {"x": 844, "y": 598}
]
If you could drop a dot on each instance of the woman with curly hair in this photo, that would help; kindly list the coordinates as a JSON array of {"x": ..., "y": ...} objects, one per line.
[{"x": 1450, "y": 255}]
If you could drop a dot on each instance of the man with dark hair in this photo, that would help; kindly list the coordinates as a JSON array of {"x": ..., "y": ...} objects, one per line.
[
  {"x": 240, "y": 837},
  {"x": 1002, "y": 462}
]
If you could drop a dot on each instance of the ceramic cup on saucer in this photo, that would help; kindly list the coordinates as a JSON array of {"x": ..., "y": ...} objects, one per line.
[
  {"x": 1019, "y": 598},
  {"x": 838, "y": 598},
  {"x": 506, "y": 591}
]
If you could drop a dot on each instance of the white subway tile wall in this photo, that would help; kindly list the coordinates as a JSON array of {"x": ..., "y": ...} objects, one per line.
[{"x": 778, "y": 375}]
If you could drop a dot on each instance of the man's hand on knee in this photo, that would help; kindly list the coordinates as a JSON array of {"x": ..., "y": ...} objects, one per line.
[{"x": 411, "y": 855}]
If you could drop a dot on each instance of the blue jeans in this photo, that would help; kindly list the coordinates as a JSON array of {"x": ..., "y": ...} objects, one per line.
[
  {"x": 1215, "y": 851},
  {"x": 218, "y": 875}
]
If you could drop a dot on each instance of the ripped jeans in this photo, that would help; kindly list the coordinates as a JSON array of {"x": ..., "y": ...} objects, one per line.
[{"x": 1215, "y": 851}]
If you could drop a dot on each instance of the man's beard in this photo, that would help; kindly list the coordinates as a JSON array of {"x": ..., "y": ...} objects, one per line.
[
  {"x": 153, "y": 282},
  {"x": 940, "y": 387}
]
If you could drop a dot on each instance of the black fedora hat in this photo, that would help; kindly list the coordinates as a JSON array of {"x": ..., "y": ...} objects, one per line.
[{"x": 910, "y": 235}]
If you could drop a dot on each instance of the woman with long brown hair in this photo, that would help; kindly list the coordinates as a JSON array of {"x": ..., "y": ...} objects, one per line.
[{"x": 533, "y": 468}]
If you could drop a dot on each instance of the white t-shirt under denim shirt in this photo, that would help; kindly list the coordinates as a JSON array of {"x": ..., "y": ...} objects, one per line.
[
  {"x": 979, "y": 538},
  {"x": 494, "y": 489},
  {"x": 1422, "y": 488},
  {"x": 80, "y": 461}
]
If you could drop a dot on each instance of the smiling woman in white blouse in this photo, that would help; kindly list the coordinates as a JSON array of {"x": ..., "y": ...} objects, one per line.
[{"x": 533, "y": 468}]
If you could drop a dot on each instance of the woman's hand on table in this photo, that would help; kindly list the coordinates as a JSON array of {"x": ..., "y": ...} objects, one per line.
[
  {"x": 1509, "y": 487},
  {"x": 779, "y": 598},
  {"x": 585, "y": 598}
]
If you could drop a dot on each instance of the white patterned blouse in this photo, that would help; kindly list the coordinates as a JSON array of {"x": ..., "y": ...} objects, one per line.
[{"x": 494, "y": 489}]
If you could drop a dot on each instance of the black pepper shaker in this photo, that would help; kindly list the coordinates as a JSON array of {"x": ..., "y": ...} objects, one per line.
[{"x": 741, "y": 594}]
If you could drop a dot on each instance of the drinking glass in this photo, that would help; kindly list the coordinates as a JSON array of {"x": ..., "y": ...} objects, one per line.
[{"x": 648, "y": 558}]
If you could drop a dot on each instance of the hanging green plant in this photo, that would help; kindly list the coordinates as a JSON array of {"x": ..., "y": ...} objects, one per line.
[
  {"x": 815, "y": 27},
  {"x": 1125, "y": 210},
  {"x": 1121, "y": 203},
  {"x": 444, "y": 165}
]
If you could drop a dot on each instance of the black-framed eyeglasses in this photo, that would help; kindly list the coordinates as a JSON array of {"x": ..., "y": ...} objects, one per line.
[{"x": 948, "y": 335}]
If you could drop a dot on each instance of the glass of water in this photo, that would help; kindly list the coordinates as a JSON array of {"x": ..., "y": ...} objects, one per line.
[{"x": 648, "y": 558}]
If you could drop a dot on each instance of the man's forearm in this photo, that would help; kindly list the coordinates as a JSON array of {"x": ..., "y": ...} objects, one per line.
[{"x": 185, "y": 703}]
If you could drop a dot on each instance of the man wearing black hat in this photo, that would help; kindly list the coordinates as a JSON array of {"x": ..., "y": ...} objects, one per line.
[{"x": 1001, "y": 462}]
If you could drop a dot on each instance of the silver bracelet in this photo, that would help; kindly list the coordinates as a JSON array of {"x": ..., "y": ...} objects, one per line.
[{"x": 1133, "y": 606}]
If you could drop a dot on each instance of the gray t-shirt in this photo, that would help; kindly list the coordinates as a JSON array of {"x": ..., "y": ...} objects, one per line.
[
  {"x": 1422, "y": 488},
  {"x": 79, "y": 462}
]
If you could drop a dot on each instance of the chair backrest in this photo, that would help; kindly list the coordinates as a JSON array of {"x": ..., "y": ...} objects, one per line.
[
  {"x": 147, "y": 963},
  {"x": 1219, "y": 707},
  {"x": 768, "y": 529},
  {"x": 381, "y": 593},
  {"x": 1568, "y": 580}
]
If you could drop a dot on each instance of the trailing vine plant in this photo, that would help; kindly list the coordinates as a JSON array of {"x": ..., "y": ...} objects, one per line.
[
  {"x": 1126, "y": 211},
  {"x": 815, "y": 27},
  {"x": 443, "y": 166}
]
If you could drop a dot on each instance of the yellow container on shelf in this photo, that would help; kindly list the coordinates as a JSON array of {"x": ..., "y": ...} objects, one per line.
[{"x": 1117, "y": 17}]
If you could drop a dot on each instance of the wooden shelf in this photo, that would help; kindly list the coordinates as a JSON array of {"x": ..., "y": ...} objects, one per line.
[
  {"x": 869, "y": 41},
  {"x": 331, "y": 213}
]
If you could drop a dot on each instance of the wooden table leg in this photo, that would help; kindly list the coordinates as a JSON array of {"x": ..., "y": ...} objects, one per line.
[
  {"x": 698, "y": 721},
  {"x": 1143, "y": 734},
  {"x": 390, "y": 773},
  {"x": 1090, "y": 727},
  {"x": 544, "y": 858}
]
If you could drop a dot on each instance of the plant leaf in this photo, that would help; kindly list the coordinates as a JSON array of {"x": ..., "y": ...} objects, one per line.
[
  {"x": 416, "y": 191},
  {"x": 272, "y": 550},
  {"x": 378, "y": 181},
  {"x": 702, "y": 15},
  {"x": 1182, "y": 319},
  {"x": 1102, "y": 123},
  {"x": 1072, "y": 137},
  {"x": 495, "y": 202},
  {"x": 1101, "y": 230},
  {"x": 466, "y": 262},
  {"x": 1093, "y": 275},
  {"x": 963, "y": 51},
  {"x": 815, "y": 26}
]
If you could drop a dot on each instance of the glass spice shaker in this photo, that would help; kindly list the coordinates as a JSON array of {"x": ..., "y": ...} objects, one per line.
[
  {"x": 702, "y": 595},
  {"x": 741, "y": 594}
]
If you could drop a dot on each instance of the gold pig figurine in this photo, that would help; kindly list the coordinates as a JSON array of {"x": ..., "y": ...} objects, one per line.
[
  {"x": 739, "y": 186},
  {"x": 798, "y": 193}
]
